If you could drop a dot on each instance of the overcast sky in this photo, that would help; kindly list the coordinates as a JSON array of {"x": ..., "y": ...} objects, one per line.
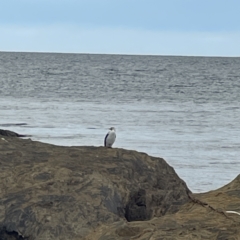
[{"x": 159, "y": 27}]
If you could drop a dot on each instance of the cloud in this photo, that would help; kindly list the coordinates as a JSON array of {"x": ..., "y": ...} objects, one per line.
[{"x": 77, "y": 39}]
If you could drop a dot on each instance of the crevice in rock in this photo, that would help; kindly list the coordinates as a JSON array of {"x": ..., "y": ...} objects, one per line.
[
  {"x": 204, "y": 204},
  {"x": 136, "y": 208}
]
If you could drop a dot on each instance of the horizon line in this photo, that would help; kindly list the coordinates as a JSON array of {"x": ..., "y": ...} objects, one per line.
[{"x": 123, "y": 54}]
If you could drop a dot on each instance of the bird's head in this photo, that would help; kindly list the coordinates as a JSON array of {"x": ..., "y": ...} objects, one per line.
[{"x": 112, "y": 129}]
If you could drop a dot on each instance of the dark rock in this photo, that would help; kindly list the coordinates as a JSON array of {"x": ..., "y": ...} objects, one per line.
[
  {"x": 8, "y": 133},
  {"x": 53, "y": 192},
  {"x": 6, "y": 235},
  {"x": 136, "y": 208}
]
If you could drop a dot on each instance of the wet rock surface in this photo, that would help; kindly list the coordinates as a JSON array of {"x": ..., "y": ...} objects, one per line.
[
  {"x": 55, "y": 192},
  {"x": 8, "y": 133}
]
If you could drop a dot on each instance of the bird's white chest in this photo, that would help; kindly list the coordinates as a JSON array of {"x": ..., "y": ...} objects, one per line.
[{"x": 111, "y": 137}]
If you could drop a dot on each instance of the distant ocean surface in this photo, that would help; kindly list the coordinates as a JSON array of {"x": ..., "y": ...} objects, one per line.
[{"x": 184, "y": 109}]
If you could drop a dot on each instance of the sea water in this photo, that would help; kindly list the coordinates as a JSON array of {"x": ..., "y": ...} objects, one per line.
[{"x": 183, "y": 109}]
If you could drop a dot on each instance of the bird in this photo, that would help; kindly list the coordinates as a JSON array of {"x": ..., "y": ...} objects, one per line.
[{"x": 110, "y": 137}]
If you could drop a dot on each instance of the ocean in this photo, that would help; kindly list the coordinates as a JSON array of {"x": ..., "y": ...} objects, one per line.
[{"x": 183, "y": 109}]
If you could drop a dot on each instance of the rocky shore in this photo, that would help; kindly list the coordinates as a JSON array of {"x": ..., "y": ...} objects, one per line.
[{"x": 55, "y": 192}]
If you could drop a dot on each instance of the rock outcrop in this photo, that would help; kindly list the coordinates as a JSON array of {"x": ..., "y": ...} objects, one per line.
[
  {"x": 54, "y": 192},
  {"x": 213, "y": 215},
  {"x": 8, "y": 133}
]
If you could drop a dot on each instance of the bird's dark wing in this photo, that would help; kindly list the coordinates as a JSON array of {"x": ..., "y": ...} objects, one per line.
[{"x": 105, "y": 140}]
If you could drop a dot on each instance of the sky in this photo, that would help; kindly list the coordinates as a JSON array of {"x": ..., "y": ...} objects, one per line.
[{"x": 146, "y": 27}]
